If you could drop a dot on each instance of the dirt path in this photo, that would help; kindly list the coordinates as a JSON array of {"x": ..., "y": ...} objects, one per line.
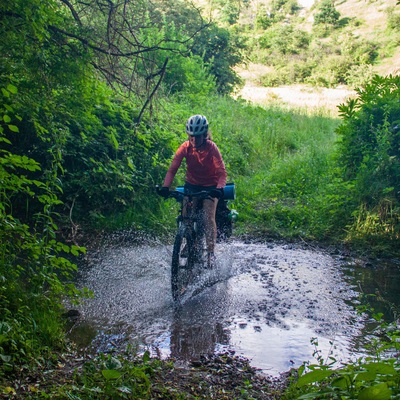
[{"x": 298, "y": 96}]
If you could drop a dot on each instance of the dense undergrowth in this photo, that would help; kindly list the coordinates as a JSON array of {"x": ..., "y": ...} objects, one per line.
[{"x": 88, "y": 126}]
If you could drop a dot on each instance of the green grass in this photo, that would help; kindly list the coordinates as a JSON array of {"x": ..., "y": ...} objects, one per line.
[{"x": 282, "y": 162}]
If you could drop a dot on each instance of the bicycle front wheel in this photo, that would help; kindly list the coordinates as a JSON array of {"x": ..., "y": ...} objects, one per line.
[{"x": 182, "y": 263}]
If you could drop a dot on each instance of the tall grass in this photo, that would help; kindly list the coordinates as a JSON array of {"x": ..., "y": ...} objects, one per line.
[{"x": 282, "y": 162}]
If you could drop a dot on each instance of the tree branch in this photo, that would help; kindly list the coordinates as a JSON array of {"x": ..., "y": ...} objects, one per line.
[
  {"x": 161, "y": 73},
  {"x": 73, "y": 12}
]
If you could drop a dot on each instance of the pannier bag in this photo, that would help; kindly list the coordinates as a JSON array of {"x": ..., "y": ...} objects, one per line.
[
  {"x": 223, "y": 220},
  {"x": 224, "y": 217}
]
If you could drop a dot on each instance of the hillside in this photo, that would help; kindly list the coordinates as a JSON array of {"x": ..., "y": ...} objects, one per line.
[
  {"x": 373, "y": 16},
  {"x": 365, "y": 42}
]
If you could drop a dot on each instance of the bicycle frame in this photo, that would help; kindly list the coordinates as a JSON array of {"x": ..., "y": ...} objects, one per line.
[{"x": 189, "y": 245}]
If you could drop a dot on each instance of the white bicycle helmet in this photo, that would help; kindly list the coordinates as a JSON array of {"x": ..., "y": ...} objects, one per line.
[{"x": 197, "y": 125}]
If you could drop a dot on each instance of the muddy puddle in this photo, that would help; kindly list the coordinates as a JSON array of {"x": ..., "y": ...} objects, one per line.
[{"x": 277, "y": 305}]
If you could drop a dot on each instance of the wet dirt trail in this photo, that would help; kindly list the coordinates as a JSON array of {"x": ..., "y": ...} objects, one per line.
[{"x": 267, "y": 302}]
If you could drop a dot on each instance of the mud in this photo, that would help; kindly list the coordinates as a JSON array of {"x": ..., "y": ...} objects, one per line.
[{"x": 277, "y": 305}]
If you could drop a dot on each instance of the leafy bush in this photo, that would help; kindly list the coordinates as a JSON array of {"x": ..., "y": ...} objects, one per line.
[
  {"x": 369, "y": 152},
  {"x": 284, "y": 39},
  {"x": 263, "y": 18},
  {"x": 327, "y": 14},
  {"x": 360, "y": 50},
  {"x": 375, "y": 376},
  {"x": 393, "y": 19},
  {"x": 221, "y": 50},
  {"x": 110, "y": 376},
  {"x": 359, "y": 75},
  {"x": 35, "y": 268}
]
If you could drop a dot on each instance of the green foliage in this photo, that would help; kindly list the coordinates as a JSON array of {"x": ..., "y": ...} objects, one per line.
[
  {"x": 369, "y": 154},
  {"x": 189, "y": 75},
  {"x": 327, "y": 14},
  {"x": 111, "y": 376},
  {"x": 362, "y": 51},
  {"x": 332, "y": 54},
  {"x": 393, "y": 19},
  {"x": 359, "y": 75},
  {"x": 34, "y": 269},
  {"x": 263, "y": 18},
  {"x": 376, "y": 376},
  {"x": 230, "y": 13},
  {"x": 284, "y": 40},
  {"x": 296, "y": 56},
  {"x": 105, "y": 170},
  {"x": 370, "y": 135},
  {"x": 221, "y": 50},
  {"x": 278, "y": 10}
]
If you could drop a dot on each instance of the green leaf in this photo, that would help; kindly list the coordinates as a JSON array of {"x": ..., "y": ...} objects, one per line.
[
  {"x": 13, "y": 128},
  {"x": 12, "y": 89},
  {"x": 75, "y": 250},
  {"x": 5, "y": 358},
  {"x": 341, "y": 382},
  {"x": 380, "y": 368},
  {"x": 377, "y": 392},
  {"x": 309, "y": 396},
  {"x": 314, "y": 376},
  {"x": 5, "y": 140},
  {"x": 6, "y": 119},
  {"x": 146, "y": 356},
  {"x": 111, "y": 374},
  {"x": 367, "y": 376}
]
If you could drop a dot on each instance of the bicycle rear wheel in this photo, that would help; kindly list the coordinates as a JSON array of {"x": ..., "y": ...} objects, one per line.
[{"x": 182, "y": 263}]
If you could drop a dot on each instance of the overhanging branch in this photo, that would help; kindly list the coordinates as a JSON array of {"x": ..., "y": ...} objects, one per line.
[{"x": 161, "y": 73}]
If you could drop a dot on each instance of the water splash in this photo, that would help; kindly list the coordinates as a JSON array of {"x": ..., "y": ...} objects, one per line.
[{"x": 263, "y": 301}]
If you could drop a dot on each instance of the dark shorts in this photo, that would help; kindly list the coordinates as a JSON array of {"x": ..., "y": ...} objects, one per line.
[{"x": 197, "y": 188}]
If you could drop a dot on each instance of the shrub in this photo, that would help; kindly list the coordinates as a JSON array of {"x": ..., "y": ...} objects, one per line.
[
  {"x": 393, "y": 19},
  {"x": 359, "y": 75},
  {"x": 35, "y": 268},
  {"x": 370, "y": 152},
  {"x": 327, "y": 14}
]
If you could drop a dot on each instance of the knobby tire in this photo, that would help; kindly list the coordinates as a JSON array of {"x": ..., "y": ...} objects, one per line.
[{"x": 181, "y": 267}]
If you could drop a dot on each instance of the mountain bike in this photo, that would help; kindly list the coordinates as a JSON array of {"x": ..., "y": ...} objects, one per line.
[
  {"x": 189, "y": 249},
  {"x": 189, "y": 246}
]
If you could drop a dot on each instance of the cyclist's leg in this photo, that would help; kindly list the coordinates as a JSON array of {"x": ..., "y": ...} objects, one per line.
[{"x": 210, "y": 226}]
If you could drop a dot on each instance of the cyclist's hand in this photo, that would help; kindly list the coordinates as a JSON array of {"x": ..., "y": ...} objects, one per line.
[
  {"x": 217, "y": 193},
  {"x": 164, "y": 192}
]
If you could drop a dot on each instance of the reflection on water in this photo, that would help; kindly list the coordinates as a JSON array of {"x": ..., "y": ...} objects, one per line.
[
  {"x": 264, "y": 302},
  {"x": 283, "y": 357},
  {"x": 381, "y": 279},
  {"x": 378, "y": 286},
  {"x": 189, "y": 340}
]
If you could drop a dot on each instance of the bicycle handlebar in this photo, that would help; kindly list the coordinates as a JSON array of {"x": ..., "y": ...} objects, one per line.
[{"x": 178, "y": 196}]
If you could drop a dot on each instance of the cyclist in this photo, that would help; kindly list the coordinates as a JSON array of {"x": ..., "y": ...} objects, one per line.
[{"x": 205, "y": 170}]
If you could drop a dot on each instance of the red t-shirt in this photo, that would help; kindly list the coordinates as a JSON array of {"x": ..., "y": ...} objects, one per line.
[{"x": 204, "y": 166}]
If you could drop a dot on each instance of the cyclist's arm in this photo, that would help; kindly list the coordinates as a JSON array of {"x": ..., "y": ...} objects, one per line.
[
  {"x": 220, "y": 169},
  {"x": 175, "y": 164}
]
